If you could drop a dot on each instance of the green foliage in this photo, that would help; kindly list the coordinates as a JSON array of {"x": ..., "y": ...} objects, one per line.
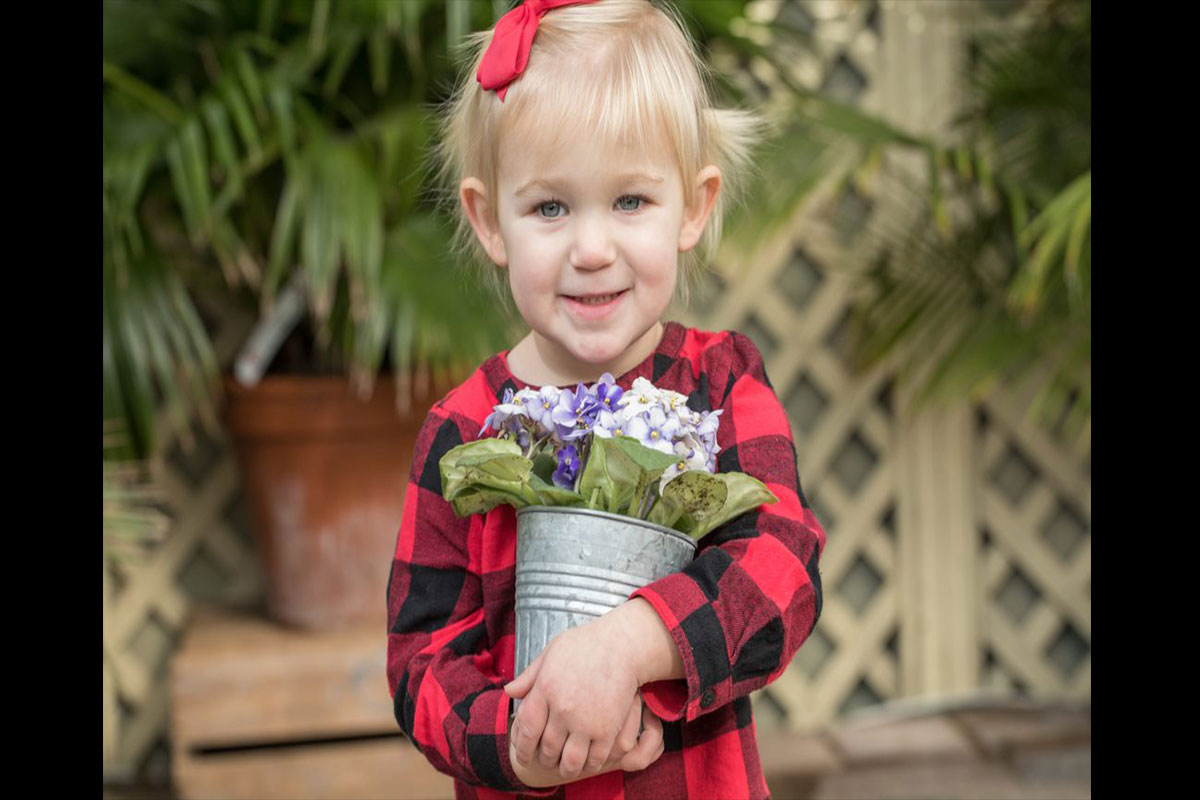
[
  {"x": 999, "y": 291},
  {"x": 273, "y": 140}
]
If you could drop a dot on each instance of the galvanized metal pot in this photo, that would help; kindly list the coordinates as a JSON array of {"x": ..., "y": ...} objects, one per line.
[{"x": 575, "y": 564}]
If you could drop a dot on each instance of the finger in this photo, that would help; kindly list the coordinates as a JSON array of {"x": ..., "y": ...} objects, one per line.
[
  {"x": 627, "y": 736},
  {"x": 528, "y": 726},
  {"x": 574, "y": 755},
  {"x": 519, "y": 686},
  {"x": 649, "y": 746},
  {"x": 554, "y": 736},
  {"x": 597, "y": 754}
]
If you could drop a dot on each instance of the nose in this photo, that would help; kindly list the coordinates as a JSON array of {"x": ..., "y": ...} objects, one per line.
[{"x": 593, "y": 246}]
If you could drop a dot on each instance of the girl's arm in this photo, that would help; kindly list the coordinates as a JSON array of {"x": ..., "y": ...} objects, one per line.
[
  {"x": 738, "y": 613},
  {"x": 448, "y": 696}
]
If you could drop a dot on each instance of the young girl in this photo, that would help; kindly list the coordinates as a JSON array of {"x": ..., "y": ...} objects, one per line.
[{"x": 586, "y": 158}]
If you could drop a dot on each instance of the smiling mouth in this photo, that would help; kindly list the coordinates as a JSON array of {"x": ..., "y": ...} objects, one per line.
[{"x": 596, "y": 299}]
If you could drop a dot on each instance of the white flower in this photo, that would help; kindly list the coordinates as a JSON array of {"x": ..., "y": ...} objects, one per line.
[{"x": 641, "y": 397}]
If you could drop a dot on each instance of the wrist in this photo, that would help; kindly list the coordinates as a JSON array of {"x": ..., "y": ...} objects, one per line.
[{"x": 651, "y": 650}]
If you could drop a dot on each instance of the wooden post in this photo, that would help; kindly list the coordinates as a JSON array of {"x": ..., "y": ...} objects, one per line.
[
  {"x": 939, "y": 614},
  {"x": 919, "y": 89}
]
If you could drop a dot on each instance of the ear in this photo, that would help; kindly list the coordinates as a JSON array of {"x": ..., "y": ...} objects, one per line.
[
  {"x": 479, "y": 211},
  {"x": 695, "y": 217}
]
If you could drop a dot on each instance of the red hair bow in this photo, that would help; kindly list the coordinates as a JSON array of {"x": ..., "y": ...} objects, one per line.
[{"x": 508, "y": 52}]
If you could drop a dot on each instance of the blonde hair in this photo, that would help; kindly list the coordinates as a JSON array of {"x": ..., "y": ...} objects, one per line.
[{"x": 657, "y": 84}]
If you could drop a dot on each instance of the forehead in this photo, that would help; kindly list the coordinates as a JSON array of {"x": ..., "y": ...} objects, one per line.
[{"x": 563, "y": 147}]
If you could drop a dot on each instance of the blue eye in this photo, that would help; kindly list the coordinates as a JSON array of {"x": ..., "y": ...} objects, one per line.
[
  {"x": 552, "y": 203},
  {"x": 636, "y": 198}
]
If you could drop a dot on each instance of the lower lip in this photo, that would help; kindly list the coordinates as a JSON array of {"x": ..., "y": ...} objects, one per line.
[{"x": 594, "y": 311}]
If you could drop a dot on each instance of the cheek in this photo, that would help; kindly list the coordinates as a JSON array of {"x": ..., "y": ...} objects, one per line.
[{"x": 657, "y": 256}]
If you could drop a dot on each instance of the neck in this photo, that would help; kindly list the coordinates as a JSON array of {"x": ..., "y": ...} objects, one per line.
[{"x": 538, "y": 363}]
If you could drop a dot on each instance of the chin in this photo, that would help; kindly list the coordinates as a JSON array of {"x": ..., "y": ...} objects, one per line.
[{"x": 600, "y": 354}]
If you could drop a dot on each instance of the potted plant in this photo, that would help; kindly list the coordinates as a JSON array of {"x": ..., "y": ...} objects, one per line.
[
  {"x": 269, "y": 155},
  {"x": 612, "y": 489}
]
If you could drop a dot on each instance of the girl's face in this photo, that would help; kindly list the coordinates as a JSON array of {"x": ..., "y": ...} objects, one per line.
[{"x": 590, "y": 237}]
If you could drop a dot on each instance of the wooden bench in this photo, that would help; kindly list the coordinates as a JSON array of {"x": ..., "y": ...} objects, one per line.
[{"x": 261, "y": 711}]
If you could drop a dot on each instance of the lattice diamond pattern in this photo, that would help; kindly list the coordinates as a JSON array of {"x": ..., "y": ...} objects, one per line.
[
  {"x": 859, "y": 585},
  {"x": 1068, "y": 651},
  {"x": 1017, "y": 595},
  {"x": 805, "y": 403},
  {"x": 1013, "y": 475},
  {"x": 1036, "y": 560},
  {"x": 845, "y": 83},
  {"x": 799, "y": 280},
  {"x": 1064, "y": 532},
  {"x": 762, "y": 337},
  {"x": 854, "y": 463}
]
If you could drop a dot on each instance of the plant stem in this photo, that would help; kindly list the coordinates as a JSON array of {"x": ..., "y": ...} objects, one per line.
[
  {"x": 646, "y": 501},
  {"x": 583, "y": 454},
  {"x": 533, "y": 445}
]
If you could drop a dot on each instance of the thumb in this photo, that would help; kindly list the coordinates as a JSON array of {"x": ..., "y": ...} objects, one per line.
[{"x": 519, "y": 686}]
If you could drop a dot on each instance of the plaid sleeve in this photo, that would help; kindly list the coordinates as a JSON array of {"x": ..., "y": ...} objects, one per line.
[
  {"x": 447, "y": 698},
  {"x": 742, "y": 608}
]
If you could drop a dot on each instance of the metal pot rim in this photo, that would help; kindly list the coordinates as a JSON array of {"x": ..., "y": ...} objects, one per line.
[{"x": 615, "y": 517}]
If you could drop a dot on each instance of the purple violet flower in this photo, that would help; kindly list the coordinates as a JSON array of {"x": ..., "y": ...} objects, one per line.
[
  {"x": 568, "y": 467},
  {"x": 654, "y": 429},
  {"x": 607, "y": 392},
  {"x": 575, "y": 413},
  {"x": 540, "y": 406}
]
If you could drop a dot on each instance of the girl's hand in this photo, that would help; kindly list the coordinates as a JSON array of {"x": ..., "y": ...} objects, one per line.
[
  {"x": 575, "y": 700},
  {"x": 645, "y": 750}
]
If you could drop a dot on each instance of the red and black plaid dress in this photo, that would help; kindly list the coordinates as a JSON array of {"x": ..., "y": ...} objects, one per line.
[{"x": 738, "y": 613}]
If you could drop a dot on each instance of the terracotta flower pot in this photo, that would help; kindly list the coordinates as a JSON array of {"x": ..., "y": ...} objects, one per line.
[{"x": 324, "y": 476}]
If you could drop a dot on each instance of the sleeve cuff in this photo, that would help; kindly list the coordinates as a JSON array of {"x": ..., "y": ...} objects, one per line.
[{"x": 679, "y": 699}]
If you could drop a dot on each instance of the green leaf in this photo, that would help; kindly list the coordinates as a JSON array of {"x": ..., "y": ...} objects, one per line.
[
  {"x": 249, "y": 75},
  {"x": 344, "y": 53},
  {"x": 696, "y": 493},
  {"x": 379, "y": 50},
  {"x": 651, "y": 461},
  {"x": 195, "y": 164},
  {"x": 743, "y": 493},
  {"x": 222, "y": 141},
  {"x": 480, "y": 500},
  {"x": 485, "y": 473},
  {"x": 242, "y": 119},
  {"x": 551, "y": 495},
  {"x": 283, "y": 234},
  {"x": 543, "y": 466},
  {"x": 609, "y": 476}
]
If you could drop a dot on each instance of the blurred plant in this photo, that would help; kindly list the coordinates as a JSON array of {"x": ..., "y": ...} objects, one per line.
[
  {"x": 272, "y": 140},
  {"x": 991, "y": 282}
]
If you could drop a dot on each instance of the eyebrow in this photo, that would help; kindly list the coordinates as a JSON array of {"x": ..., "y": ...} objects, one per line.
[{"x": 627, "y": 178}]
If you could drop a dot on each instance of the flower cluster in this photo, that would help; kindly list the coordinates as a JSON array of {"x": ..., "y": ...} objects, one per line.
[{"x": 565, "y": 422}]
